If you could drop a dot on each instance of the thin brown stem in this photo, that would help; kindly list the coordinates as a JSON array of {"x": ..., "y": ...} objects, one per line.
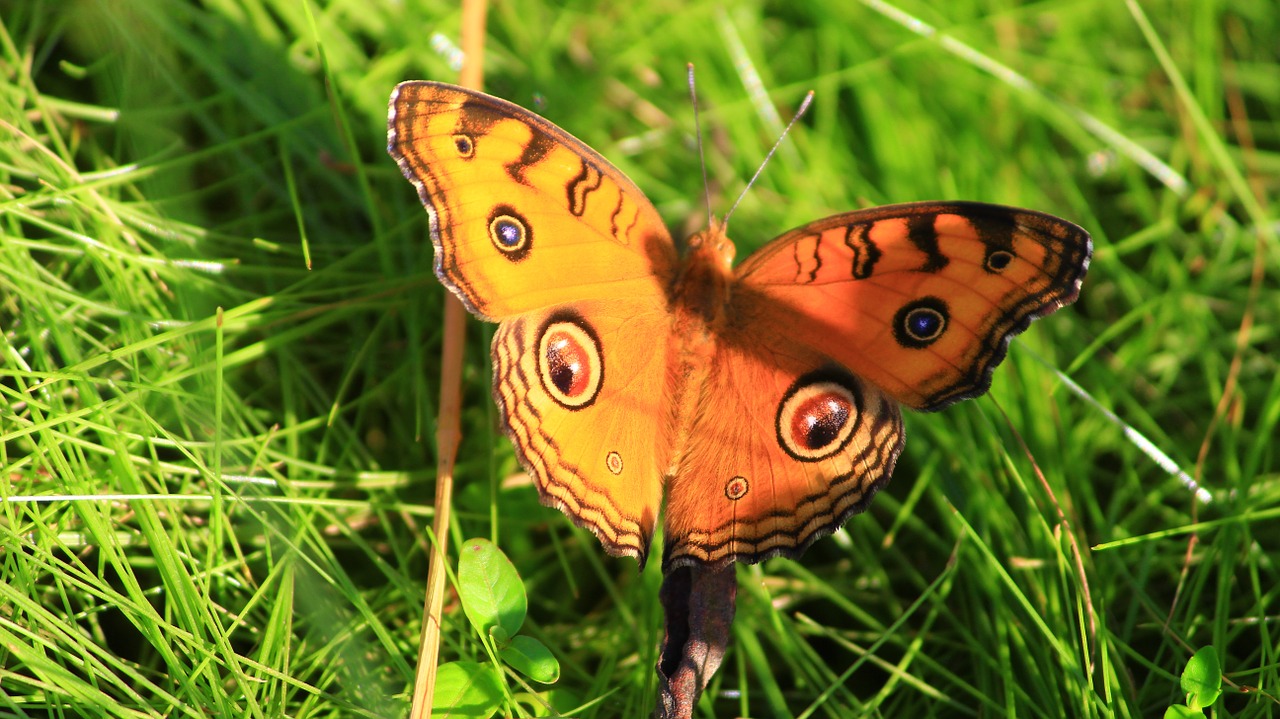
[{"x": 448, "y": 431}]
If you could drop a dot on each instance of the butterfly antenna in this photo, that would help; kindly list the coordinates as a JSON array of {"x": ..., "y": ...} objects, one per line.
[
  {"x": 702, "y": 156},
  {"x": 803, "y": 107}
]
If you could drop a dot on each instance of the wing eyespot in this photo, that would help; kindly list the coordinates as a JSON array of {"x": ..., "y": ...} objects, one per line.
[
  {"x": 997, "y": 261},
  {"x": 510, "y": 233},
  {"x": 920, "y": 323},
  {"x": 613, "y": 462},
  {"x": 465, "y": 145},
  {"x": 570, "y": 365},
  {"x": 818, "y": 415},
  {"x": 736, "y": 488}
]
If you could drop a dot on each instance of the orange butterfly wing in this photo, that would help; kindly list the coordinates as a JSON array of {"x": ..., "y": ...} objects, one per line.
[
  {"x": 796, "y": 423},
  {"x": 523, "y": 215},
  {"x": 582, "y": 389},
  {"x": 538, "y": 231},
  {"x": 922, "y": 298},
  {"x": 785, "y": 446}
]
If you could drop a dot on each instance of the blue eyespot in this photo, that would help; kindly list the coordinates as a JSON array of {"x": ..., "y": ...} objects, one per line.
[
  {"x": 509, "y": 232},
  {"x": 924, "y": 323},
  {"x": 920, "y": 323}
]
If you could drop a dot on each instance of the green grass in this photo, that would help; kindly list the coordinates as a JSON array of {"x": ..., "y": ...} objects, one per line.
[{"x": 220, "y": 338}]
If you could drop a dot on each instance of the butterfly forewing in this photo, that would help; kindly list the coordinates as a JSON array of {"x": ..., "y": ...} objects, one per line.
[
  {"x": 921, "y": 299},
  {"x": 523, "y": 216}
]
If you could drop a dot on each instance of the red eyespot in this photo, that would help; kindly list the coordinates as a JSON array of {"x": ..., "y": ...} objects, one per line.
[
  {"x": 569, "y": 362},
  {"x": 819, "y": 419},
  {"x": 817, "y": 416},
  {"x": 737, "y": 488}
]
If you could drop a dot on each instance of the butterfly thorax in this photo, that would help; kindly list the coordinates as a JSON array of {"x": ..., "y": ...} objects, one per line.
[
  {"x": 699, "y": 299},
  {"x": 702, "y": 287}
]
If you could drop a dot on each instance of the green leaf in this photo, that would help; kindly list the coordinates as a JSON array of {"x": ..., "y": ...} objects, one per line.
[
  {"x": 531, "y": 658},
  {"x": 1178, "y": 711},
  {"x": 466, "y": 689},
  {"x": 492, "y": 595},
  {"x": 1202, "y": 679}
]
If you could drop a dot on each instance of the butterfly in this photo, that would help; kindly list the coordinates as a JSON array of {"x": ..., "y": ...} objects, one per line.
[{"x": 754, "y": 408}]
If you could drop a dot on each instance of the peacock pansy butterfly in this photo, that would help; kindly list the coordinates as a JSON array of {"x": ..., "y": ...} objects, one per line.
[{"x": 762, "y": 401}]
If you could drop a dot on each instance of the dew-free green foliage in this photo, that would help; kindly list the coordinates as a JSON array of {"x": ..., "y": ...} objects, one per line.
[
  {"x": 494, "y": 601},
  {"x": 219, "y": 342},
  {"x": 490, "y": 590},
  {"x": 1202, "y": 682},
  {"x": 466, "y": 689}
]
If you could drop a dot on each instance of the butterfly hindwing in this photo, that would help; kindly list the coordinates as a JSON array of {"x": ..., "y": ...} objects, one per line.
[
  {"x": 581, "y": 390},
  {"x": 784, "y": 447}
]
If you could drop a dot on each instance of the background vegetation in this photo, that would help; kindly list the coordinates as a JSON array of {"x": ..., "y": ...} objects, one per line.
[{"x": 219, "y": 330}]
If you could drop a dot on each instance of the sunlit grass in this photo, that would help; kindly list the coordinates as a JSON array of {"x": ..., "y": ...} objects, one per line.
[{"x": 221, "y": 330}]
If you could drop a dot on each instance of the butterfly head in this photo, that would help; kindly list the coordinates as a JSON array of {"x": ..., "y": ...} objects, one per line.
[
  {"x": 702, "y": 287},
  {"x": 711, "y": 248}
]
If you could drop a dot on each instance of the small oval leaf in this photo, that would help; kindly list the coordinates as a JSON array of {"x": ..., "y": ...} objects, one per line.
[
  {"x": 466, "y": 689},
  {"x": 1202, "y": 679},
  {"x": 1179, "y": 711},
  {"x": 531, "y": 658},
  {"x": 490, "y": 588}
]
